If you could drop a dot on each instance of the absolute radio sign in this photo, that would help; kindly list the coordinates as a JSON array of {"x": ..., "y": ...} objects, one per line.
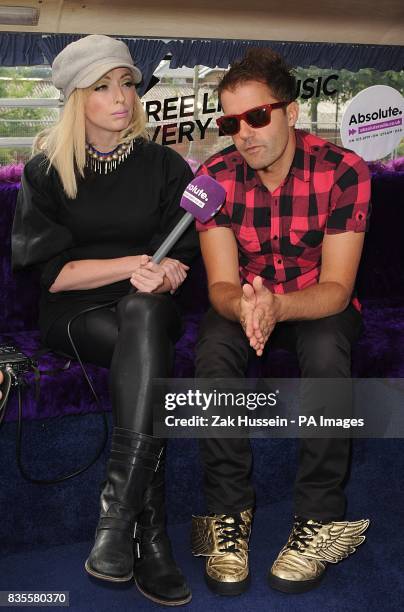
[{"x": 372, "y": 124}]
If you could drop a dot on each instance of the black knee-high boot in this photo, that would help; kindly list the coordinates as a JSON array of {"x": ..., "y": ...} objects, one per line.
[
  {"x": 132, "y": 465},
  {"x": 156, "y": 574}
]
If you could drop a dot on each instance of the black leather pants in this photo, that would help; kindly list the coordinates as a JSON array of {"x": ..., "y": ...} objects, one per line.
[
  {"x": 323, "y": 348},
  {"x": 135, "y": 339}
]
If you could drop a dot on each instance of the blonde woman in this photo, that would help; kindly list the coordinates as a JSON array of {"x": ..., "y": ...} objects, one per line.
[{"x": 96, "y": 201}]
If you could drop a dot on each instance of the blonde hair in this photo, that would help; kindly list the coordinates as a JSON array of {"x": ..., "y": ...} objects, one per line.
[{"x": 64, "y": 144}]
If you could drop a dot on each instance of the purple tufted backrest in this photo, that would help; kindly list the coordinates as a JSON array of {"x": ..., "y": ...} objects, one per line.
[
  {"x": 18, "y": 294},
  {"x": 381, "y": 273}
]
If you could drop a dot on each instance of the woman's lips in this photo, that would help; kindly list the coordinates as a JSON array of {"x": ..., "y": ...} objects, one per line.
[{"x": 120, "y": 114}]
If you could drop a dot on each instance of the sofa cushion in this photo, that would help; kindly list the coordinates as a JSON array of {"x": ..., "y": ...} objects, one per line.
[{"x": 378, "y": 353}]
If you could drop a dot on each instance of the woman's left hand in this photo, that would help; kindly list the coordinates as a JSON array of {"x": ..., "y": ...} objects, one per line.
[
  {"x": 175, "y": 271},
  {"x": 149, "y": 276}
]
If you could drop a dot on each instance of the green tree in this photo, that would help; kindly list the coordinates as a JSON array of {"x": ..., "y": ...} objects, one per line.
[
  {"x": 314, "y": 73},
  {"x": 22, "y": 121},
  {"x": 351, "y": 83}
]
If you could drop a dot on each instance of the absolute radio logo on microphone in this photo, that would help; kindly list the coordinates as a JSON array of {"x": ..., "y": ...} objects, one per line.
[
  {"x": 198, "y": 191},
  {"x": 203, "y": 197},
  {"x": 197, "y": 196}
]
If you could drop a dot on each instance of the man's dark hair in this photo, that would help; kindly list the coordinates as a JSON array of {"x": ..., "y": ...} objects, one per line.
[{"x": 266, "y": 66}]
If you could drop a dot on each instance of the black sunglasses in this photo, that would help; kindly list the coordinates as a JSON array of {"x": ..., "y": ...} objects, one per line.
[{"x": 256, "y": 117}]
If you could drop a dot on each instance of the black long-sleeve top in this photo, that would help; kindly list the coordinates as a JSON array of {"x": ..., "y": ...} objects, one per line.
[{"x": 128, "y": 211}]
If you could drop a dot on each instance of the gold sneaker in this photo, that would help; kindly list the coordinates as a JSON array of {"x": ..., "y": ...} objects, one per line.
[
  {"x": 223, "y": 539},
  {"x": 301, "y": 564}
]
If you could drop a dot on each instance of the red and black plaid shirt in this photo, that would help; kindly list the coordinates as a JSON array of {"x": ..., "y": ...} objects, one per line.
[{"x": 280, "y": 234}]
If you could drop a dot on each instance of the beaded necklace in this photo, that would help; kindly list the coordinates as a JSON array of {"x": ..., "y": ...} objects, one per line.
[{"x": 106, "y": 162}]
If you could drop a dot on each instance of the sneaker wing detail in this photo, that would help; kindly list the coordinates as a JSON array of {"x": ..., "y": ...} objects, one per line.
[
  {"x": 220, "y": 534},
  {"x": 202, "y": 536},
  {"x": 336, "y": 540}
]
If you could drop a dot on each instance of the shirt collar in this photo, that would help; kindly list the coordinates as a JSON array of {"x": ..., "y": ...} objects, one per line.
[
  {"x": 301, "y": 161},
  {"x": 300, "y": 166}
]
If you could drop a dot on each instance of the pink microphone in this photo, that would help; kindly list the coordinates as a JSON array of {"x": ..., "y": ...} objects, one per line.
[{"x": 202, "y": 199}]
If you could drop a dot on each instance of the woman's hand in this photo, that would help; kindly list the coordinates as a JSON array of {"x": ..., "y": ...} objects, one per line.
[
  {"x": 149, "y": 276},
  {"x": 175, "y": 271}
]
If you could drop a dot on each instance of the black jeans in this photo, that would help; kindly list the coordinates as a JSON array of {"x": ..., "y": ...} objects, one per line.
[
  {"x": 323, "y": 348},
  {"x": 135, "y": 339}
]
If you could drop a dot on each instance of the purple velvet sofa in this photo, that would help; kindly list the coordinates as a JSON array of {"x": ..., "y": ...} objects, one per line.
[{"x": 379, "y": 353}]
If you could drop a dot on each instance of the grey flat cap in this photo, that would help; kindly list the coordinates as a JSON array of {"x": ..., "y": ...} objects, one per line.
[{"x": 84, "y": 61}]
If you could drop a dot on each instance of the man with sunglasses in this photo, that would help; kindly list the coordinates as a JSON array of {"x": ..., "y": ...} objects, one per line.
[{"x": 281, "y": 259}]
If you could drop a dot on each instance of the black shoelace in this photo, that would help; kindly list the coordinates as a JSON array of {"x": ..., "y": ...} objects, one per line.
[
  {"x": 303, "y": 533},
  {"x": 229, "y": 532}
]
